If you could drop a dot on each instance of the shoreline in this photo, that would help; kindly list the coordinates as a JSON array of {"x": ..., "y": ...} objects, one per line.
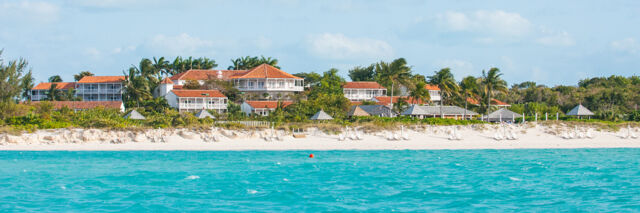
[{"x": 422, "y": 138}]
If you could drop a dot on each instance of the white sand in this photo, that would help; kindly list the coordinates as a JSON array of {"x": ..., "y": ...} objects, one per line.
[{"x": 430, "y": 138}]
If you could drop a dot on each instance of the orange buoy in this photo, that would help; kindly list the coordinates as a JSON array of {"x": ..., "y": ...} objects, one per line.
[{"x": 311, "y": 156}]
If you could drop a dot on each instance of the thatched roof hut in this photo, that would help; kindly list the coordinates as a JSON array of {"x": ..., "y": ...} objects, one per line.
[
  {"x": 503, "y": 115},
  {"x": 321, "y": 115},
  {"x": 204, "y": 114},
  {"x": 135, "y": 115},
  {"x": 580, "y": 111}
]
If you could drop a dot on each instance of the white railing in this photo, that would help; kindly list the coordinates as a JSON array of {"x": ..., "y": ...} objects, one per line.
[
  {"x": 293, "y": 89},
  {"x": 98, "y": 91},
  {"x": 248, "y": 123},
  {"x": 201, "y": 106}
]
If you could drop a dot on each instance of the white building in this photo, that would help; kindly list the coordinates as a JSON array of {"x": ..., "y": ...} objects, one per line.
[
  {"x": 100, "y": 88},
  {"x": 434, "y": 93},
  {"x": 39, "y": 92},
  {"x": 363, "y": 90},
  {"x": 259, "y": 80},
  {"x": 195, "y": 100},
  {"x": 262, "y": 108}
]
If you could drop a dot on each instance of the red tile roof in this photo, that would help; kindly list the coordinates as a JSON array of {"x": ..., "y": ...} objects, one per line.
[
  {"x": 363, "y": 85},
  {"x": 353, "y": 103},
  {"x": 494, "y": 102},
  {"x": 166, "y": 81},
  {"x": 386, "y": 100},
  {"x": 205, "y": 74},
  {"x": 267, "y": 104},
  {"x": 102, "y": 79},
  {"x": 198, "y": 93},
  {"x": 432, "y": 87},
  {"x": 265, "y": 71},
  {"x": 84, "y": 104},
  {"x": 59, "y": 85}
]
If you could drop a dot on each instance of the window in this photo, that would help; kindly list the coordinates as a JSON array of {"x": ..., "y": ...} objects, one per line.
[
  {"x": 281, "y": 84},
  {"x": 261, "y": 84},
  {"x": 251, "y": 84}
]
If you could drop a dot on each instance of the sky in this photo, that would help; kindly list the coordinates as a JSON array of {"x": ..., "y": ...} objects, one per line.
[{"x": 550, "y": 42}]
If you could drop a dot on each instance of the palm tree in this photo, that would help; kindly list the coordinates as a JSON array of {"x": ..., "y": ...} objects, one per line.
[
  {"x": 391, "y": 73},
  {"x": 492, "y": 82},
  {"x": 447, "y": 84},
  {"x": 468, "y": 89},
  {"x": 248, "y": 62},
  {"x": 419, "y": 93},
  {"x": 81, "y": 75},
  {"x": 55, "y": 78}
]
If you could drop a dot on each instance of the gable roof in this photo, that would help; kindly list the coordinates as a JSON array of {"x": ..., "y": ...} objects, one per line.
[
  {"x": 166, "y": 81},
  {"x": 59, "y": 85},
  {"x": 357, "y": 111},
  {"x": 580, "y": 111},
  {"x": 264, "y": 71},
  {"x": 432, "y": 87},
  {"x": 83, "y": 104},
  {"x": 198, "y": 93},
  {"x": 378, "y": 110},
  {"x": 386, "y": 100},
  {"x": 102, "y": 79},
  {"x": 321, "y": 115},
  {"x": 205, "y": 74},
  {"x": 362, "y": 85},
  {"x": 267, "y": 104}
]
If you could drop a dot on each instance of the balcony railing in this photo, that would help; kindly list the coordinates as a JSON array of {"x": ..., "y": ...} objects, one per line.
[
  {"x": 292, "y": 88},
  {"x": 98, "y": 91},
  {"x": 202, "y": 106}
]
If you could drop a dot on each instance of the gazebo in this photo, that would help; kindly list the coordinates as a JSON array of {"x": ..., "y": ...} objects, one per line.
[
  {"x": 321, "y": 115},
  {"x": 135, "y": 115},
  {"x": 204, "y": 114},
  {"x": 503, "y": 115},
  {"x": 580, "y": 111},
  {"x": 357, "y": 111}
]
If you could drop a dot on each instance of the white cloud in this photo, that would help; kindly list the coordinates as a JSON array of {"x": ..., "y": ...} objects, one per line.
[
  {"x": 182, "y": 44},
  {"x": 460, "y": 68},
  {"x": 482, "y": 21},
  {"x": 338, "y": 46},
  {"x": 551, "y": 38},
  {"x": 629, "y": 45},
  {"x": 37, "y": 11}
]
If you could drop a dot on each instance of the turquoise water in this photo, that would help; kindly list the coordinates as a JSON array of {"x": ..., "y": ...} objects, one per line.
[{"x": 467, "y": 180}]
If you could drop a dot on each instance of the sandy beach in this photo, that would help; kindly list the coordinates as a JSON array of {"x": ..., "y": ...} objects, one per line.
[{"x": 422, "y": 138}]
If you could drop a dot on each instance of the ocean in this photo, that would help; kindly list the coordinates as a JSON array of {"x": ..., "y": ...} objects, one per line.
[{"x": 592, "y": 180}]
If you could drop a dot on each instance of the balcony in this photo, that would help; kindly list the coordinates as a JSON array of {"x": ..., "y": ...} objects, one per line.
[
  {"x": 202, "y": 106},
  {"x": 98, "y": 91},
  {"x": 290, "y": 89}
]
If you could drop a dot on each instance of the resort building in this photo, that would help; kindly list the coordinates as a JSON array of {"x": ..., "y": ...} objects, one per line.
[
  {"x": 371, "y": 110},
  {"x": 262, "y": 108},
  {"x": 386, "y": 100},
  {"x": 434, "y": 93},
  {"x": 100, "y": 88},
  {"x": 39, "y": 92},
  {"x": 452, "y": 112},
  {"x": 363, "y": 90},
  {"x": 85, "y": 105},
  {"x": 264, "y": 81},
  {"x": 196, "y": 100}
]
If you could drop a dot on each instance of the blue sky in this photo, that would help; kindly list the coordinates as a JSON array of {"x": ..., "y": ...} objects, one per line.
[{"x": 551, "y": 42}]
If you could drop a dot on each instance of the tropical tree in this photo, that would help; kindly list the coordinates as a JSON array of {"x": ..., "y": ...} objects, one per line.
[
  {"x": 15, "y": 79},
  {"x": 27, "y": 84},
  {"x": 468, "y": 89},
  {"x": 180, "y": 64},
  {"x": 248, "y": 62},
  {"x": 388, "y": 74},
  {"x": 81, "y": 75},
  {"x": 419, "y": 93},
  {"x": 53, "y": 94},
  {"x": 55, "y": 78},
  {"x": 311, "y": 79},
  {"x": 447, "y": 84},
  {"x": 192, "y": 84},
  {"x": 492, "y": 83},
  {"x": 363, "y": 73}
]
